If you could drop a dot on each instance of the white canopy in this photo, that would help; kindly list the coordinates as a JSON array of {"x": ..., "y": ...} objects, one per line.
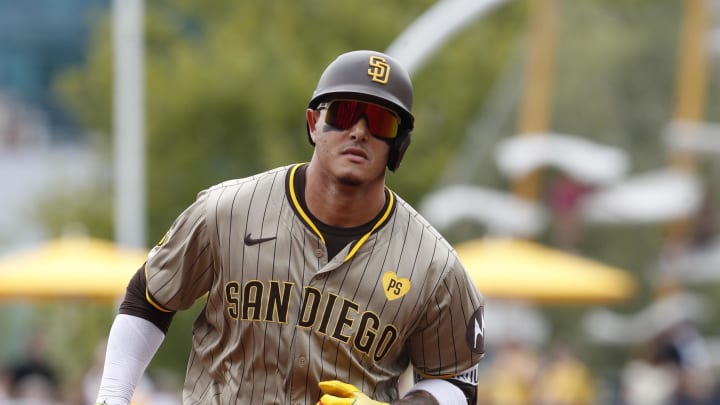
[
  {"x": 500, "y": 212},
  {"x": 584, "y": 160},
  {"x": 655, "y": 196}
]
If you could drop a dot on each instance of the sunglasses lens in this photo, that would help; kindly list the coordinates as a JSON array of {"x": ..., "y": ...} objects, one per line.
[
  {"x": 343, "y": 114},
  {"x": 382, "y": 122}
]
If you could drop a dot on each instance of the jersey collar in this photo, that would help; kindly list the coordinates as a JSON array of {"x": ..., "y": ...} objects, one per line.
[{"x": 307, "y": 220}]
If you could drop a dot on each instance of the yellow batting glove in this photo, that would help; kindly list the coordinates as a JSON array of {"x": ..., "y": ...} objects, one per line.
[{"x": 340, "y": 393}]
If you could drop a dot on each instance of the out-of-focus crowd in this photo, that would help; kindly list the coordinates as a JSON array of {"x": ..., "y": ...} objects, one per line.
[
  {"x": 671, "y": 369},
  {"x": 32, "y": 379}
]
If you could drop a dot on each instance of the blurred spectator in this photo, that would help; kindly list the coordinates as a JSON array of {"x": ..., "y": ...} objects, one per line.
[
  {"x": 4, "y": 385},
  {"x": 705, "y": 223},
  {"x": 32, "y": 377},
  {"x": 510, "y": 376},
  {"x": 646, "y": 382},
  {"x": 565, "y": 380},
  {"x": 684, "y": 349},
  {"x": 565, "y": 196},
  {"x": 671, "y": 369}
]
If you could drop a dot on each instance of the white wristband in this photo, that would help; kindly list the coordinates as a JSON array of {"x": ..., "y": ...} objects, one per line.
[
  {"x": 444, "y": 392},
  {"x": 132, "y": 343}
]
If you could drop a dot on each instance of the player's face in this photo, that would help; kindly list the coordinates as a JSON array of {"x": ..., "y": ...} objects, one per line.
[{"x": 353, "y": 155}]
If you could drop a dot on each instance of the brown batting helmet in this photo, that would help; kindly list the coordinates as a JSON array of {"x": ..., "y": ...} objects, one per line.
[{"x": 374, "y": 77}]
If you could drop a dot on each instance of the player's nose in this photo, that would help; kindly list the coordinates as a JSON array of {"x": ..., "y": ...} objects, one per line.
[{"x": 360, "y": 130}]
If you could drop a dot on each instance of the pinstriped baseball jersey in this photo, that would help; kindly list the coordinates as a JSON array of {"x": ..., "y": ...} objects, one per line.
[{"x": 281, "y": 315}]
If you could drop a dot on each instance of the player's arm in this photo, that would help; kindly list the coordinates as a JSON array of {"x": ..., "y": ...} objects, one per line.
[
  {"x": 460, "y": 352},
  {"x": 136, "y": 303},
  {"x": 460, "y": 389},
  {"x": 418, "y": 398},
  {"x": 135, "y": 336}
]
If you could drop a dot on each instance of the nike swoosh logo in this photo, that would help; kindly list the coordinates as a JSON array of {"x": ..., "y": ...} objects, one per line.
[{"x": 249, "y": 240}]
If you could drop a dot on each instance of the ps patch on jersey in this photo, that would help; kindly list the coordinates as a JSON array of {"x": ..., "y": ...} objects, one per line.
[
  {"x": 394, "y": 286},
  {"x": 475, "y": 334}
]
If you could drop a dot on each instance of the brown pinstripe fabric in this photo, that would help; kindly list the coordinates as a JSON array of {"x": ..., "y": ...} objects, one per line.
[{"x": 281, "y": 315}]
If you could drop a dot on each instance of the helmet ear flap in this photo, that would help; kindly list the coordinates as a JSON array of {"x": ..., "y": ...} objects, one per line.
[{"x": 397, "y": 150}]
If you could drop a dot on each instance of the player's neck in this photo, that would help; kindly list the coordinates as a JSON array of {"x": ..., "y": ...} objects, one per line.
[{"x": 341, "y": 205}]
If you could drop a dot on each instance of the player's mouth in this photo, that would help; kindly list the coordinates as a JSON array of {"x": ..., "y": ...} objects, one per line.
[{"x": 355, "y": 154}]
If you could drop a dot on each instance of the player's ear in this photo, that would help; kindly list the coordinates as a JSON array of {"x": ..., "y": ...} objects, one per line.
[{"x": 312, "y": 117}]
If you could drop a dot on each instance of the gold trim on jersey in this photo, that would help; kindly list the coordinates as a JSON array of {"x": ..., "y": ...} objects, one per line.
[
  {"x": 381, "y": 221},
  {"x": 299, "y": 209},
  {"x": 150, "y": 299},
  {"x": 309, "y": 222}
]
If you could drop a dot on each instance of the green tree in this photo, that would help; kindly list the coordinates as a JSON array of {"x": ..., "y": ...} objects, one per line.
[{"x": 227, "y": 85}]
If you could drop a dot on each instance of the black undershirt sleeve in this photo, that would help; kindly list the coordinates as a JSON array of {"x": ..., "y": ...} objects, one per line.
[{"x": 135, "y": 303}]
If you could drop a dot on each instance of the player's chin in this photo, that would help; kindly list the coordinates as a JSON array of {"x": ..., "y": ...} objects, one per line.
[
  {"x": 357, "y": 172},
  {"x": 350, "y": 179},
  {"x": 360, "y": 174},
  {"x": 351, "y": 173}
]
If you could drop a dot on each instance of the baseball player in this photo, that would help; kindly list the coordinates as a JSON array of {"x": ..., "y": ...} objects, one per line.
[{"x": 321, "y": 285}]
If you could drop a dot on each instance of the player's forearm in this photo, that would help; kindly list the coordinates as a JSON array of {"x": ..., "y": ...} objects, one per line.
[
  {"x": 441, "y": 392},
  {"x": 418, "y": 398},
  {"x": 131, "y": 345}
]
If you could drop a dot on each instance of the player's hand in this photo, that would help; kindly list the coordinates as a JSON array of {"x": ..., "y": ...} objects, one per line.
[{"x": 340, "y": 393}]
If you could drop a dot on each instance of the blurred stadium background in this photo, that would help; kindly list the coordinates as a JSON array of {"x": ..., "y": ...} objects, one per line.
[{"x": 568, "y": 149}]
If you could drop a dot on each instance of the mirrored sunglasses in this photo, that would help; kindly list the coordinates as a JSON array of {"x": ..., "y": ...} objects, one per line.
[{"x": 344, "y": 114}]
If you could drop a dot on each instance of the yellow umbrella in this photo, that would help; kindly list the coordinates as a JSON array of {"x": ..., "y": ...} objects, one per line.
[
  {"x": 515, "y": 268},
  {"x": 80, "y": 268}
]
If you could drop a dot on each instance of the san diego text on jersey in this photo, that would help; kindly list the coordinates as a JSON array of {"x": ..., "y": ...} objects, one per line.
[{"x": 323, "y": 312}]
